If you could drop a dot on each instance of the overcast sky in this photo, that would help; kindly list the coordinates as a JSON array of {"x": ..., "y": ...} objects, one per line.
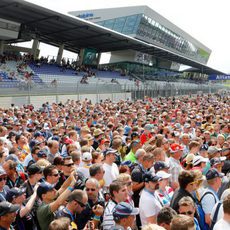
[{"x": 206, "y": 20}]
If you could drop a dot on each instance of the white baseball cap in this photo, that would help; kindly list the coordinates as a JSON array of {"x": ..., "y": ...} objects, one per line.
[{"x": 163, "y": 174}]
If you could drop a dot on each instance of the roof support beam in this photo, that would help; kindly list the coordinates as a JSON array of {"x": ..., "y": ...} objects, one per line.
[
  {"x": 43, "y": 19},
  {"x": 66, "y": 30},
  {"x": 89, "y": 37}
]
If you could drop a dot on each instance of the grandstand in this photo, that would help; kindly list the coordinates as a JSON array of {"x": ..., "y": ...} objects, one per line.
[{"x": 137, "y": 66}]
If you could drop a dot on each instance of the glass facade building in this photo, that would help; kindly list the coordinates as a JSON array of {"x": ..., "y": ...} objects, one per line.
[{"x": 149, "y": 30}]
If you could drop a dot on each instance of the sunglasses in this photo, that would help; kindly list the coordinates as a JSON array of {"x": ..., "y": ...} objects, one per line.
[
  {"x": 129, "y": 183},
  {"x": 194, "y": 182},
  {"x": 90, "y": 189},
  {"x": 69, "y": 165},
  {"x": 3, "y": 178},
  {"x": 225, "y": 150},
  {"x": 81, "y": 204},
  {"x": 187, "y": 213},
  {"x": 56, "y": 175}
]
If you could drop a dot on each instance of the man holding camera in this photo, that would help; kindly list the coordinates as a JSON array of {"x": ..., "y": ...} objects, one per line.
[{"x": 95, "y": 206}]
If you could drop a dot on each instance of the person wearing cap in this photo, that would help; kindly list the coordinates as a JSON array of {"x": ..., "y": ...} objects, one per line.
[
  {"x": 34, "y": 172},
  {"x": 209, "y": 196},
  {"x": 134, "y": 136},
  {"x": 217, "y": 163},
  {"x": 7, "y": 214},
  {"x": 187, "y": 185},
  {"x": 175, "y": 167},
  {"x": 98, "y": 134},
  {"x": 207, "y": 137},
  {"x": 213, "y": 151},
  {"x": 103, "y": 145},
  {"x": 84, "y": 131},
  {"x": 146, "y": 135},
  {"x": 50, "y": 202},
  {"x": 203, "y": 151},
  {"x": 118, "y": 192},
  {"x": 149, "y": 203},
  {"x": 111, "y": 169},
  {"x": 32, "y": 157},
  {"x": 77, "y": 202},
  {"x": 134, "y": 146},
  {"x": 124, "y": 216},
  {"x": 24, "y": 217},
  {"x": 85, "y": 165},
  {"x": 3, "y": 187},
  {"x": 90, "y": 141},
  {"x": 66, "y": 143},
  {"x": 220, "y": 140},
  {"x": 161, "y": 166},
  {"x": 39, "y": 136},
  {"x": 199, "y": 163},
  {"x": 165, "y": 193}
]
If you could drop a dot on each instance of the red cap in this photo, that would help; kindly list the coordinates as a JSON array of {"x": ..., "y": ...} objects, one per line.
[
  {"x": 176, "y": 147},
  {"x": 68, "y": 141},
  {"x": 104, "y": 141}
]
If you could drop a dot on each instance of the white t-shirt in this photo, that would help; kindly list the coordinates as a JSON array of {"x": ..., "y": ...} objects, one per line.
[
  {"x": 148, "y": 206},
  {"x": 111, "y": 173},
  {"x": 84, "y": 169},
  {"x": 222, "y": 225}
]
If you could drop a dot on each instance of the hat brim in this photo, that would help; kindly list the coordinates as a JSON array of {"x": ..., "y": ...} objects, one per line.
[
  {"x": 166, "y": 176},
  {"x": 3, "y": 174},
  {"x": 111, "y": 152},
  {"x": 135, "y": 211},
  {"x": 221, "y": 175},
  {"x": 14, "y": 208},
  {"x": 223, "y": 158},
  {"x": 156, "y": 179}
]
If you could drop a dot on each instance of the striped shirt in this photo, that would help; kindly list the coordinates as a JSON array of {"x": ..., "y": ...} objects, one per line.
[{"x": 108, "y": 221}]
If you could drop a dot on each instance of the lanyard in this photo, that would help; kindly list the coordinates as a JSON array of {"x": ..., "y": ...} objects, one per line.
[
  {"x": 3, "y": 196},
  {"x": 165, "y": 194},
  {"x": 71, "y": 215}
]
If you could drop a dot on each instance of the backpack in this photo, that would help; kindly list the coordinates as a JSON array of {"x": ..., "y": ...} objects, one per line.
[
  {"x": 202, "y": 223},
  {"x": 214, "y": 220}
]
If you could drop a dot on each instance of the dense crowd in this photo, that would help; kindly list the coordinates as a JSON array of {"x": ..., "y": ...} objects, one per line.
[{"x": 152, "y": 164}]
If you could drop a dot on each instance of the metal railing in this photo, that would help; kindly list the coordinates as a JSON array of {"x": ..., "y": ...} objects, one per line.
[{"x": 149, "y": 88}]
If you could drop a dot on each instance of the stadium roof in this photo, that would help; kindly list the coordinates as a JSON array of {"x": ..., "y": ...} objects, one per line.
[{"x": 55, "y": 28}]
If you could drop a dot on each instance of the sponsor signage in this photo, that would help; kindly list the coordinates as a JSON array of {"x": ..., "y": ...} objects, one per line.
[
  {"x": 214, "y": 77},
  {"x": 85, "y": 15}
]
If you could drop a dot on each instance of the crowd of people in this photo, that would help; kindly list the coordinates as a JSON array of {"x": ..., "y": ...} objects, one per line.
[{"x": 148, "y": 164}]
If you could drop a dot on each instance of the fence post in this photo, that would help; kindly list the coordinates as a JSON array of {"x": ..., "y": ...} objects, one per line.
[
  {"x": 97, "y": 90},
  {"x": 56, "y": 91},
  {"x": 78, "y": 93},
  {"x": 29, "y": 91}
]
